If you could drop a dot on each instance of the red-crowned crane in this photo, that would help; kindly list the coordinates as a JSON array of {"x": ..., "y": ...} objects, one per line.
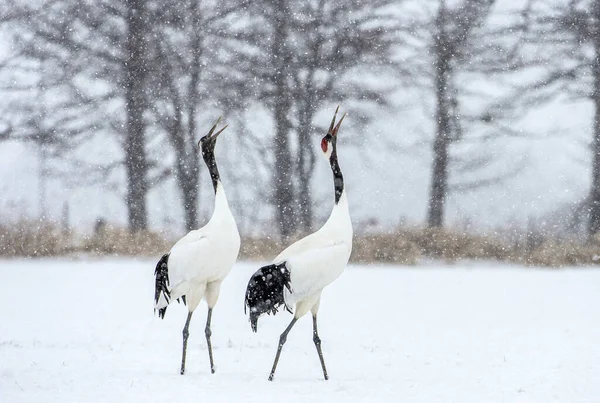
[
  {"x": 298, "y": 275},
  {"x": 198, "y": 262}
]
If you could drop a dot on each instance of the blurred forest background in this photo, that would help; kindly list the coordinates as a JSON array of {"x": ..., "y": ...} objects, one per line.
[{"x": 473, "y": 128}]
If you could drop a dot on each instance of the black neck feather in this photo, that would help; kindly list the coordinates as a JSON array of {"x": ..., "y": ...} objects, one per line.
[
  {"x": 209, "y": 159},
  {"x": 338, "y": 178}
]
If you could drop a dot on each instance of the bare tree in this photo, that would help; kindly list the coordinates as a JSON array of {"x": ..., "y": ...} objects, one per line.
[
  {"x": 453, "y": 27},
  {"x": 149, "y": 62},
  {"x": 186, "y": 84},
  {"x": 93, "y": 56},
  {"x": 30, "y": 97},
  {"x": 302, "y": 57},
  {"x": 562, "y": 47},
  {"x": 335, "y": 40},
  {"x": 468, "y": 51},
  {"x": 135, "y": 72}
]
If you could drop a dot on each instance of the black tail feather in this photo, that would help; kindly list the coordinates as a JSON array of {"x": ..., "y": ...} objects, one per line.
[
  {"x": 265, "y": 291},
  {"x": 162, "y": 283}
]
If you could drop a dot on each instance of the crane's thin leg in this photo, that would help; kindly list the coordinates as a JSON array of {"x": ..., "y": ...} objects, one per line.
[
  {"x": 317, "y": 341},
  {"x": 186, "y": 334},
  {"x": 208, "y": 333},
  {"x": 282, "y": 340}
]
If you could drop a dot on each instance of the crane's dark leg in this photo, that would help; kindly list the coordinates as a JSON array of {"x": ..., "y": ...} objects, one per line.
[
  {"x": 186, "y": 334},
  {"x": 317, "y": 341},
  {"x": 208, "y": 333},
  {"x": 282, "y": 340}
]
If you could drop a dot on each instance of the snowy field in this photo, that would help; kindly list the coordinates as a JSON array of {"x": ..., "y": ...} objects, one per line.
[{"x": 79, "y": 331}]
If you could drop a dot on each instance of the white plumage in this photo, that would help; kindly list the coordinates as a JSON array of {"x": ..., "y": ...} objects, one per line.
[
  {"x": 197, "y": 264},
  {"x": 317, "y": 260},
  {"x": 299, "y": 273},
  {"x": 199, "y": 261}
]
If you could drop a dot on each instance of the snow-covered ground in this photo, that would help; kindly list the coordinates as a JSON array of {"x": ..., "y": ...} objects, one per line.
[{"x": 84, "y": 331}]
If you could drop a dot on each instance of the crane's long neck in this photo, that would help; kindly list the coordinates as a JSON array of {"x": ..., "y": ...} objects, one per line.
[
  {"x": 339, "y": 220},
  {"x": 338, "y": 178},
  {"x": 211, "y": 164},
  {"x": 221, "y": 205}
]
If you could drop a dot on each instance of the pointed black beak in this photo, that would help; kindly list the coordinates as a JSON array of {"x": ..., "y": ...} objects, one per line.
[
  {"x": 211, "y": 134},
  {"x": 333, "y": 128}
]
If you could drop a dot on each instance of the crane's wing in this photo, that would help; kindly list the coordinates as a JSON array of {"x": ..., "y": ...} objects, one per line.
[
  {"x": 312, "y": 270},
  {"x": 190, "y": 237},
  {"x": 162, "y": 292},
  {"x": 308, "y": 243},
  {"x": 264, "y": 293},
  {"x": 187, "y": 256}
]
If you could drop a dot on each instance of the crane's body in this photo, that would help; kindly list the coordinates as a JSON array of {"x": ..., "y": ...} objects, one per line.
[
  {"x": 197, "y": 264},
  {"x": 299, "y": 274},
  {"x": 200, "y": 260},
  {"x": 317, "y": 260}
]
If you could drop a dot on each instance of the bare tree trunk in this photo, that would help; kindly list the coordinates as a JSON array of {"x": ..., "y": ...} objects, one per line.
[
  {"x": 191, "y": 187},
  {"x": 441, "y": 144},
  {"x": 594, "y": 223},
  {"x": 452, "y": 29},
  {"x": 306, "y": 158},
  {"x": 186, "y": 169},
  {"x": 135, "y": 153},
  {"x": 304, "y": 192},
  {"x": 188, "y": 182},
  {"x": 282, "y": 175},
  {"x": 181, "y": 122}
]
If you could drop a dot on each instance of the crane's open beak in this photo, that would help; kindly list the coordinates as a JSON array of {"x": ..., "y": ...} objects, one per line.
[
  {"x": 211, "y": 134},
  {"x": 214, "y": 136},
  {"x": 333, "y": 128}
]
